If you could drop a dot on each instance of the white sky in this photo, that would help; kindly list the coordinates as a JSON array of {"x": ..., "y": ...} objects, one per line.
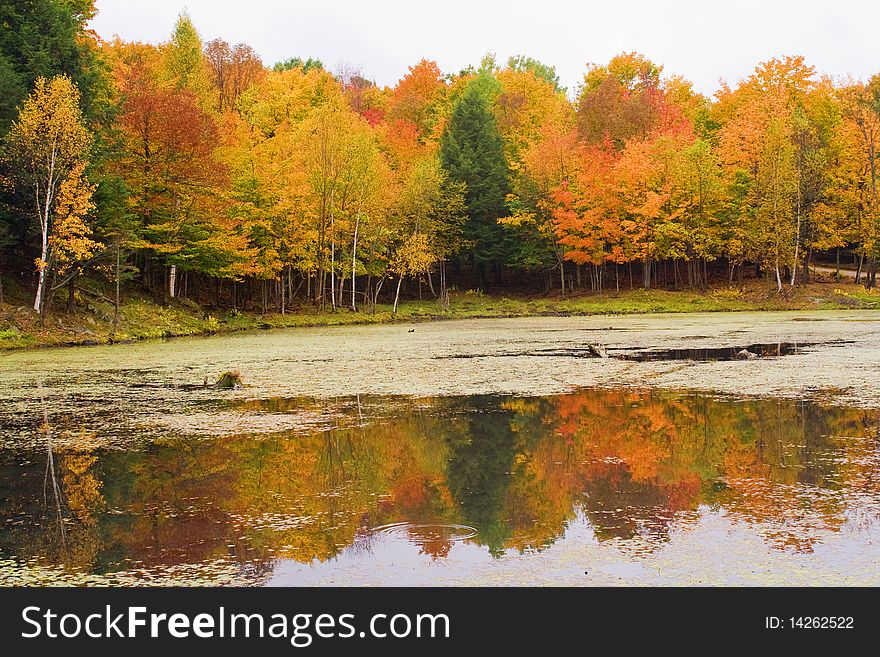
[{"x": 703, "y": 41}]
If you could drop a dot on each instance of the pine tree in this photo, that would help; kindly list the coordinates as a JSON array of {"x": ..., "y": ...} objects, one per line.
[
  {"x": 472, "y": 152},
  {"x": 44, "y": 38}
]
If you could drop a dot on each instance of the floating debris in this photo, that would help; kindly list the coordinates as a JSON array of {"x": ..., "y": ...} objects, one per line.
[{"x": 228, "y": 381}]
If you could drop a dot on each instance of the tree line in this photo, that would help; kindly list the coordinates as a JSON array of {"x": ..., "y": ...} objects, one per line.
[{"x": 199, "y": 171}]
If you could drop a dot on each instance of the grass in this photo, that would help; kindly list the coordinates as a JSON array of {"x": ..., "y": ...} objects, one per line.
[
  {"x": 141, "y": 318},
  {"x": 868, "y": 298}
]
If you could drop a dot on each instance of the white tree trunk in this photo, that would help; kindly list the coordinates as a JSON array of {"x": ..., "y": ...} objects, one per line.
[
  {"x": 172, "y": 280},
  {"x": 44, "y": 235},
  {"x": 354, "y": 248},
  {"x": 38, "y": 301},
  {"x": 397, "y": 294},
  {"x": 797, "y": 234}
]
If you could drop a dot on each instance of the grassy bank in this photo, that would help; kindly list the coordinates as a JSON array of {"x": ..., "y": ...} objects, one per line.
[{"x": 141, "y": 318}]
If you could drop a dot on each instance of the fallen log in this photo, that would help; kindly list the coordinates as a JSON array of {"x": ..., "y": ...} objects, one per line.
[{"x": 95, "y": 295}]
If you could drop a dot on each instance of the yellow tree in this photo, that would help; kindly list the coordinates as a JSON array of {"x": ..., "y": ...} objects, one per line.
[
  {"x": 417, "y": 97},
  {"x": 537, "y": 123},
  {"x": 316, "y": 164},
  {"x": 774, "y": 199},
  {"x": 270, "y": 184},
  {"x": 412, "y": 257},
  {"x": 643, "y": 195},
  {"x": 859, "y": 134},
  {"x": 526, "y": 105},
  {"x": 819, "y": 152},
  {"x": 323, "y": 144},
  {"x": 428, "y": 215},
  {"x": 286, "y": 97},
  {"x": 71, "y": 243},
  {"x": 46, "y": 144},
  {"x": 369, "y": 181},
  {"x": 762, "y": 162}
]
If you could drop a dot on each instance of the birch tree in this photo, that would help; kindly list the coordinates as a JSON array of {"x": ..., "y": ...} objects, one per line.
[{"x": 46, "y": 144}]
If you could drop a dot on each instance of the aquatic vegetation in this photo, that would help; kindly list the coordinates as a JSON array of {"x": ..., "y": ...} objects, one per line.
[{"x": 559, "y": 463}]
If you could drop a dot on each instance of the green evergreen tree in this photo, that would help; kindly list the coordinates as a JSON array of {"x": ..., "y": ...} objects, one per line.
[
  {"x": 472, "y": 152},
  {"x": 42, "y": 38},
  {"x": 305, "y": 65}
]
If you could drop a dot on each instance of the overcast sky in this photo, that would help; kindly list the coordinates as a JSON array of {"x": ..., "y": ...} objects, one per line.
[{"x": 703, "y": 41}]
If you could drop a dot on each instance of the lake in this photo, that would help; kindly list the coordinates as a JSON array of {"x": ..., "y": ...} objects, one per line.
[{"x": 483, "y": 452}]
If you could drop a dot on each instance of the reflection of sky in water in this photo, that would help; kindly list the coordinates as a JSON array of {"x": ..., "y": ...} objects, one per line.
[{"x": 712, "y": 549}]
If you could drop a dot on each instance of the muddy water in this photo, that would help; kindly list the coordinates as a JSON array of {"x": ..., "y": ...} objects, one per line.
[{"x": 486, "y": 452}]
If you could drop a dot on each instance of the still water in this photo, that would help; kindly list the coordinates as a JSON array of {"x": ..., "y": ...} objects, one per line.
[{"x": 595, "y": 486}]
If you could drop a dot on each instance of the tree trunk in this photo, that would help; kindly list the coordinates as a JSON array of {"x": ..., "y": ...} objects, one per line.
[
  {"x": 333, "y": 273},
  {"x": 71, "y": 294},
  {"x": 805, "y": 275},
  {"x": 354, "y": 248},
  {"x": 376, "y": 293},
  {"x": 281, "y": 290},
  {"x": 116, "y": 300},
  {"x": 797, "y": 230},
  {"x": 397, "y": 294},
  {"x": 444, "y": 290},
  {"x": 44, "y": 238},
  {"x": 38, "y": 301}
]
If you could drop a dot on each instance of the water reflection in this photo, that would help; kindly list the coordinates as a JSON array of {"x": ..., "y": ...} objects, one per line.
[{"x": 495, "y": 476}]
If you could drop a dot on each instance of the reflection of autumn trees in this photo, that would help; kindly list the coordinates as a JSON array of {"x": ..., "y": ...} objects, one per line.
[
  {"x": 516, "y": 470},
  {"x": 82, "y": 488},
  {"x": 646, "y": 456},
  {"x": 30, "y": 512}
]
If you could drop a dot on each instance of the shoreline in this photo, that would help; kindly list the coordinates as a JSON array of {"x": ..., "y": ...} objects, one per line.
[{"x": 143, "y": 319}]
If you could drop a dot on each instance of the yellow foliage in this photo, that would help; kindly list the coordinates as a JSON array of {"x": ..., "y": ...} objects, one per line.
[
  {"x": 414, "y": 256},
  {"x": 71, "y": 240}
]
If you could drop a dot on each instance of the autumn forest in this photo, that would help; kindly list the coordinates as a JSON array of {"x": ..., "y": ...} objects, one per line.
[
  {"x": 193, "y": 169},
  {"x": 659, "y": 360}
]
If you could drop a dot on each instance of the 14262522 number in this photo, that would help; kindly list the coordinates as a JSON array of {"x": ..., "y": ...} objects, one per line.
[{"x": 821, "y": 622}]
